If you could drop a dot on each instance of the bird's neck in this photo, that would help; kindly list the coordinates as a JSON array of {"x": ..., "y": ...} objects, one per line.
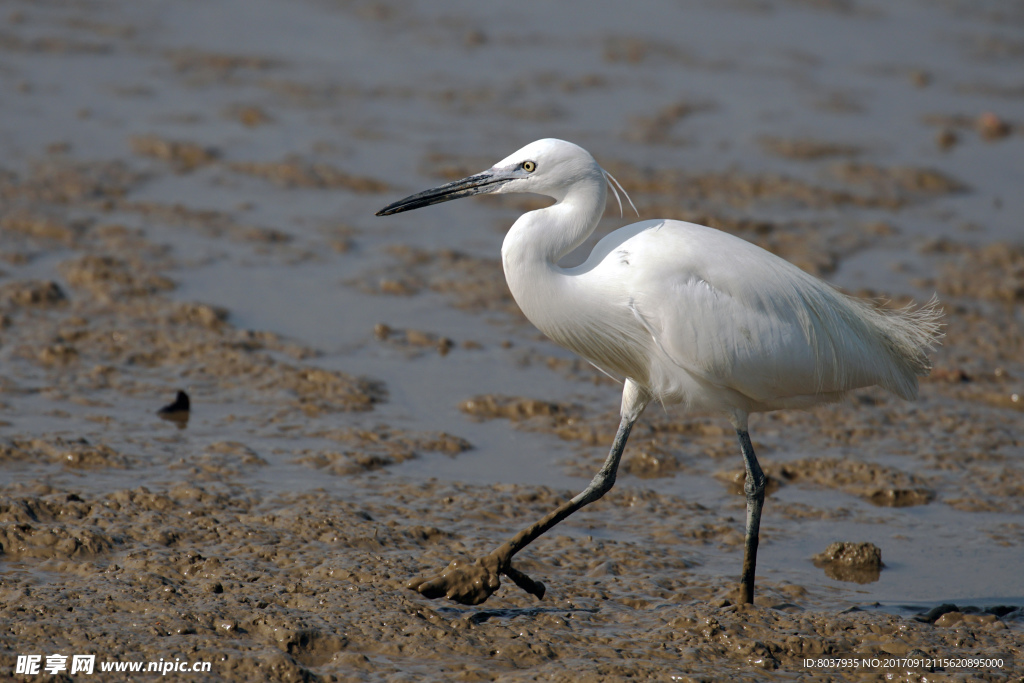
[
  {"x": 539, "y": 239},
  {"x": 546, "y": 235}
]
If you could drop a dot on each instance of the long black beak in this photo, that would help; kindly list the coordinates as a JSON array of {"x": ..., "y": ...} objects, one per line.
[{"x": 481, "y": 183}]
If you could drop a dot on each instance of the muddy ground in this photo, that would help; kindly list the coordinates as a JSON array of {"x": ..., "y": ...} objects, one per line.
[{"x": 186, "y": 203}]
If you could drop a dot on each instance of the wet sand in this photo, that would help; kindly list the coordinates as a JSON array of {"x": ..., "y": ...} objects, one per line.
[{"x": 186, "y": 203}]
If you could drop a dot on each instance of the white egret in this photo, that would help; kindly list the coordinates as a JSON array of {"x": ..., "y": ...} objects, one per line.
[{"x": 681, "y": 313}]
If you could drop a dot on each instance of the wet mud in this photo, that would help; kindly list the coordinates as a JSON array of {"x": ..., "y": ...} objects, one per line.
[
  {"x": 186, "y": 207},
  {"x": 857, "y": 562}
]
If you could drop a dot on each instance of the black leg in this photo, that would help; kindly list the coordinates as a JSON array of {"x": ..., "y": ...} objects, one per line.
[
  {"x": 753, "y": 487},
  {"x": 473, "y": 583}
]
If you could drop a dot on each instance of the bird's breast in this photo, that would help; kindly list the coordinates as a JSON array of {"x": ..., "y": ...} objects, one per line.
[{"x": 578, "y": 314}]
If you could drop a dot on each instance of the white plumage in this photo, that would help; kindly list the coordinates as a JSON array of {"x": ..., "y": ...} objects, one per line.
[
  {"x": 681, "y": 313},
  {"x": 694, "y": 315}
]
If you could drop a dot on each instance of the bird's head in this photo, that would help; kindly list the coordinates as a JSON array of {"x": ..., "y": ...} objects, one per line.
[{"x": 548, "y": 167}]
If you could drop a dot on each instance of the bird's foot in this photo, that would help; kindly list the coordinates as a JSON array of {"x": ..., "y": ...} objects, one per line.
[{"x": 470, "y": 583}]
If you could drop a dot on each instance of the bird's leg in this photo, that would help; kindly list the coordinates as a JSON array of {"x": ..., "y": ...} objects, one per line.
[
  {"x": 753, "y": 487},
  {"x": 473, "y": 583}
]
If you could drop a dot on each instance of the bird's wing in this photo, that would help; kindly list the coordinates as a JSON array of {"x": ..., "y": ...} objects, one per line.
[{"x": 735, "y": 315}]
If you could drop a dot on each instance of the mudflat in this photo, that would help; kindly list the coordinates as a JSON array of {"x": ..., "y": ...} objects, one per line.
[{"x": 186, "y": 204}]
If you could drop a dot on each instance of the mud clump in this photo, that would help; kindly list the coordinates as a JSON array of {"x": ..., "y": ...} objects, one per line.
[
  {"x": 946, "y": 139},
  {"x": 991, "y": 127},
  {"x": 412, "y": 340},
  {"x": 854, "y": 562},
  {"x": 807, "y": 150},
  {"x": 32, "y": 294},
  {"x": 75, "y": 454},
  {"x": 182, "y": 156},
  {"x": 318, "y": 391},
  {"x": 110, "y": 276},
  {"x": 880, "y": 485},
  {"x": 993, "y": 272},
  {"x": 249, "y": 115},
  {"x": 948, "y": 615},
  {"x": 901, "y": 498},
  {"x": 22, "y": 541},
  {"x": 49, "y": 528},
  {"x": 900, "y": 183},
  {"x": 202, "y": 66},
  {"x": 490, "y": 406},
  {"x": 59, "y": 182},
  {"x": 41, "y": 226},
  {"x": 294, "y": 172},
  {"x": 651, "y": 463},
  {"x": 81, "y": 454},
  {"x": 633, "y": 50},
  {"x": 373, "y": 449}
]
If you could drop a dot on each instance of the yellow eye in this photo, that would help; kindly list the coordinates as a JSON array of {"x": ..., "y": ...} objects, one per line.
[{"x": 529, "y": 166}]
